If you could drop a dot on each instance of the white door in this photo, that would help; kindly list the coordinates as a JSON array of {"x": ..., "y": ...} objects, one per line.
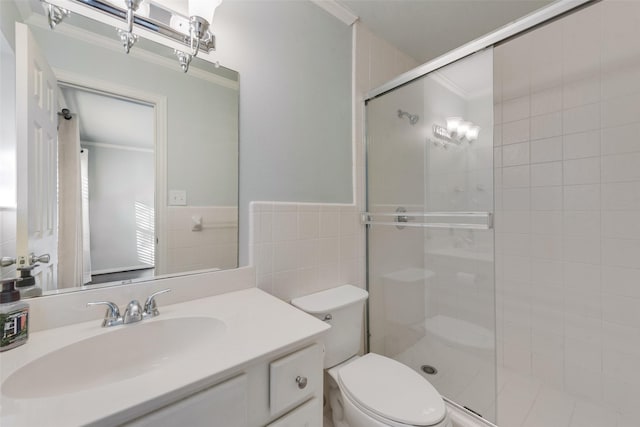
[{"x": 37, "y": 122}]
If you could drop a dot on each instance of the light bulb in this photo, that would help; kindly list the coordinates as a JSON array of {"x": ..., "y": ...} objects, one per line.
[
  {"x": 203, "y": 8},
  {"x": 472, "y": 133},
  {"x": 463, "y": 128},
  {"x": 452, "y": 124}
]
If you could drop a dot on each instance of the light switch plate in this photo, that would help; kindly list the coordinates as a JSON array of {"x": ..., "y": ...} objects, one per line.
[{"x": 177, "y": 198}]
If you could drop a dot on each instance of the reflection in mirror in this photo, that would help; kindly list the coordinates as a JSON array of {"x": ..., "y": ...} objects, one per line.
[{"x": 141, "y": 177}]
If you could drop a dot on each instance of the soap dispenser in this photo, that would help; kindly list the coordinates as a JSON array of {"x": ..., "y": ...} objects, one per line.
[
  {"x": 27, "y": 283},
  {"x": 14, "y": 316}
]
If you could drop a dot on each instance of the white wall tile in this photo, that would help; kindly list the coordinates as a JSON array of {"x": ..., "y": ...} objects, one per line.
[
  {"x": 621, "y": 167},
  {"x": 583, "y": 250},
  {"x": 546, "y": 246},
  {"x": 582, "y": 171},
  {"x": 545, "y": 271},
  {"x": 514, "y": 132},
  {"x": 571, "y": 303},
  {"x": 621, "y": 196},
  {"x": 515, "y": 176},
  {"x": 622, "y": 310},
  {"x": 577, "y": 93},
  {"x": 546, "y": 222},
  {"x": 308, "y": 225},
  {"x": 621, "y": 281},
  {"x": 621, "y": 252},
  {"x": 516, "y": 244},
  {"x": 515, "y": 199},
  {"x": 515, "y": 109},
  {"x": 621, "y": 139},
  {"x": 581, "y": 119},
  {"x": 621, "y": 224},
  {"x": 583, "y": 144},
  {"x": 306, "y": 247},
  {"x": 580, "y": 277},
  {"x": 622, "y": 110},
  {"x": 546, "y": 125},
  {"x": 515, "y": 154},
  {"x": 546, "y": 150},
  {"x": 546, "y": 174},
  {"x": 582, "y": 223},
  {"x": 546, "y": 199},
  {"x": 582, "y": 197},
  {"x": 546, "y": 101}
]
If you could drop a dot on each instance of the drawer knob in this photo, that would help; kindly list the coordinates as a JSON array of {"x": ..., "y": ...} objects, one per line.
[{"x": 301, "y": 381}]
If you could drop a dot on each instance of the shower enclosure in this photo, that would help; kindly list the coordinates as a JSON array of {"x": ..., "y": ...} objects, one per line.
[
  {"x": 430, "y": 236},
  {"x": 538, "y": 138}
]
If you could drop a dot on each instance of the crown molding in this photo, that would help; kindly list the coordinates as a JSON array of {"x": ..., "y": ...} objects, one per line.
[{"x": 336, "y": 9}]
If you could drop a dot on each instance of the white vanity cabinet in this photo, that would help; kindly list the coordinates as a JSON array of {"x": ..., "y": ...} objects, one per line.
[
  {"x": 284, "y": 390},
  {"x": 224, "y": 404},
  {"x": 239, "y": 359}
]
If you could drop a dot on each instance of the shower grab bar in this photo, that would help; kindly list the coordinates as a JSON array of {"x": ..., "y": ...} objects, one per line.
[{"x": 483, "y": 220}]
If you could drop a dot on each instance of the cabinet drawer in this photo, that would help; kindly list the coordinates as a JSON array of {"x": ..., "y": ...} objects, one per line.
[
  {"x": 221, "y": 405},
  {"x": 293, "y": 378},
  {"x": 307, "y": 415}
]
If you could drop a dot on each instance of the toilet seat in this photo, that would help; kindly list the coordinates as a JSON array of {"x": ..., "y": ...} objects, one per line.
[{"x": 391, "y": 392}]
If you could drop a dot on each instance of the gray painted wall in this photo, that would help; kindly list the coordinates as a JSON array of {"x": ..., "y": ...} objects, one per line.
[
  {"x": 294, "y": 61},
  {"x": 121, "y": 188}
]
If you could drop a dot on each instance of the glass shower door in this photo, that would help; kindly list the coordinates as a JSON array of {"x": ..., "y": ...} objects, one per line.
[{"x": 430, "y": 239}]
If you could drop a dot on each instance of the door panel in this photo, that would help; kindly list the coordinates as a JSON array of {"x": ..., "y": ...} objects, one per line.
[{"x": 37, "y": 120}]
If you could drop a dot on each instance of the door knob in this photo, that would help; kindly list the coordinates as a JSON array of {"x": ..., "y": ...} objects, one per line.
[{"x": 40, "y": 258}]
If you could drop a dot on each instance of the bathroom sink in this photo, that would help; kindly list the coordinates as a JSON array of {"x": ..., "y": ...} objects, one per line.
[{"x": 124, "y": 353}]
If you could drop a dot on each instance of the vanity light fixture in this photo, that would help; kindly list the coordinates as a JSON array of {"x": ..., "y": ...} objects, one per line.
[
  {"x": 456, "y": 131},
  {"x": 193, "y": 31},
  {"x": 55, "y": 15},
  {"x": 127, "y": 37}
]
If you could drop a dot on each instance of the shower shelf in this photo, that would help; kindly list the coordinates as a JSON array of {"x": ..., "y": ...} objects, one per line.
[{"x": 454, "y": 220}]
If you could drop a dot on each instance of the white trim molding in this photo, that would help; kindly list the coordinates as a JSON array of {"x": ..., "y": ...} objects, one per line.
[
  {"x": 336, "y": 9},
  {"x": 159, "y": 103}
]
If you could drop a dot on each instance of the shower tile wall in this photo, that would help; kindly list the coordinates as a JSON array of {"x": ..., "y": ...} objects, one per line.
[
  {"x": 567, "y": 188},
  {"x": 301, "y": 248}
]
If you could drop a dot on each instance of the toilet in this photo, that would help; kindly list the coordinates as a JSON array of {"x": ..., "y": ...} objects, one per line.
[{"x": 370, "y": 390}]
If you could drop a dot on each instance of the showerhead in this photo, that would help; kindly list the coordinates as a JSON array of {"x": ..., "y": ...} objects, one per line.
[
  {"x": 66, "y": 113},
  {"x": 413, "y": 118}
]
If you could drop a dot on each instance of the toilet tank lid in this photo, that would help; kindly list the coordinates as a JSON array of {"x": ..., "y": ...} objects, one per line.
[{"x": 331, "y": 299}]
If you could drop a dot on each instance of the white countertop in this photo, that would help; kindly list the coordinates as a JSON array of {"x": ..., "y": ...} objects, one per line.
[{"x": 257, "y": 324}]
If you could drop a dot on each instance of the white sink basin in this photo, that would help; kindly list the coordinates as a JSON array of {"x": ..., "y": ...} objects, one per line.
[{"x": 126, "y": 352}]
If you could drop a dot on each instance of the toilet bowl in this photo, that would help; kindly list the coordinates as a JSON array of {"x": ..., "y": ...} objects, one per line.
[
  {"x": 371, "y": 390},
  {"x": 375, "y": 391}
]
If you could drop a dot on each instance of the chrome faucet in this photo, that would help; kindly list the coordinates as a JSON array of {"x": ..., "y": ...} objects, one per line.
[{"x": 134, "y": 312}]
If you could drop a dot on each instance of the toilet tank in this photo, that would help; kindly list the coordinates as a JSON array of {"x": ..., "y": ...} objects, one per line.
[{"x": 342, "y": 308}]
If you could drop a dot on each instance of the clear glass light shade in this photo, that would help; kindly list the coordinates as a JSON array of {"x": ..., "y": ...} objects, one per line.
[
  {"x": 472, "y": 133},
  {"x": 463, "y": 128},
  {"x": 453, "y": 123},
  {"x": 203, "y": 8}
]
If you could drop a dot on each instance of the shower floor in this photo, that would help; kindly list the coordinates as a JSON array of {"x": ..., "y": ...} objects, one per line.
[{"x": 526, "y": 402}]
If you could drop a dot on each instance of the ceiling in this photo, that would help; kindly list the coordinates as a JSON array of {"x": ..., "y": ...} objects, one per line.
[
  {"x": 110, "y": 120},
  {"x": 426, "y": 29}
]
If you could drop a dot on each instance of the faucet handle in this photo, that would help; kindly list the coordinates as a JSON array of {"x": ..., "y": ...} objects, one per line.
[
  {"x": 150, "y": 306},
  {"x": 133, "y": 312},
  {"x": 112, "y": 315}
]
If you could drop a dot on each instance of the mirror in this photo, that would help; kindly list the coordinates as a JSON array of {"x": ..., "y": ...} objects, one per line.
[{"x": 145, "y": 167}]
